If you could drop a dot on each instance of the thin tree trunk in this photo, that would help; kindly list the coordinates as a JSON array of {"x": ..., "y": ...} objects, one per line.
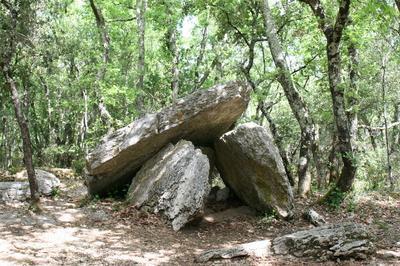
[
  {"x": 141, "y": 6},
  {"x": 333, "y": 33},
  {"x": 101, "y": 26},
  {"x": 26, "y": 140},
  {"x": 309, "y": 132},
  {"x": 173, "y": 48},
  {"x": 385, "y": 119},
  {"x": 333, "y": 162},
  {"x": 352, "y": 98},
  {"x": 199, "y": 60},
  {"x": 396, "y": 131},
  {"x": 278, "y": 142},
  {"x": 304, "y": 186},
  {"x": 5, "y": 67}
]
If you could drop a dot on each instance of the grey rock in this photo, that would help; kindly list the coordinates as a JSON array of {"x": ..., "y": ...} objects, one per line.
[
  {"x": 47, "y": 182},
  {"x": 333, "y": 242},
  {"x": 250, "y": 164},
  {"x": 200, "y": 117},
  {"x": 343, "y": 240},
  {"x": 19, "y": 191},
  {"x": 14, "y": 191},
  {"x": 222, "y": 194},
  {"x": 388, "y": 254},
  {"x": 174, "y": 182},
  {"x": 260, "y": 248},
  {"x": 313, "y": 217}
]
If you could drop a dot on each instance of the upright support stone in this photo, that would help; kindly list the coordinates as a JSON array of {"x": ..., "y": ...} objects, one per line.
[
  {"x": 174, "y": 182},
  {"x": 250, "y": 164}
]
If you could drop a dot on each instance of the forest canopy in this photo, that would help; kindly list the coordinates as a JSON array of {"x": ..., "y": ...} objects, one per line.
[{"x": 324, "y": 76}]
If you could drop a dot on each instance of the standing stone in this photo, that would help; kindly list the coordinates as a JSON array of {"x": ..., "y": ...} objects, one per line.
[
  {"x": 250, "y": 164},
  {"x": 200, "y": 117},
  {"x": 174, "y": 182}
]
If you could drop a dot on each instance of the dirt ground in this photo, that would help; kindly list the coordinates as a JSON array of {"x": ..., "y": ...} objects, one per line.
[{"x": 74, "y": 231}]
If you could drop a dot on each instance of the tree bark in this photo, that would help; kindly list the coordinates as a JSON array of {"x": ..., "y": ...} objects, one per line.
[
  {"x": 304, "y": 186},
  {"x": 385, "y": 119},
  {"x": 141, "y": 6},
  {"x": 199, "y": 60},
  {"x": 10, "y": 44},
  {"x": 101, "y": 26},
  {"x": 333, "y": 34},
  {"x": 396, "y": 131},
  {"x": 173, "y": 48},
  {"x": 309, "y": 132},
  {"x": 353, "y": 95},
  {"x": 26, "y": 140}
]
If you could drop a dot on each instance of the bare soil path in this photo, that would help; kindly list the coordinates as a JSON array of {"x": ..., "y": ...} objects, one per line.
[{"x": 72, "y": 231}]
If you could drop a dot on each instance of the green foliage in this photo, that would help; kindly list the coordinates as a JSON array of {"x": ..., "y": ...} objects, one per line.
[
  {"x": 55, "y": 192},
  {"x": 334, "y": 198},
  {"x": 59, "y": 52},
  {"x": 268, "y": 218}
]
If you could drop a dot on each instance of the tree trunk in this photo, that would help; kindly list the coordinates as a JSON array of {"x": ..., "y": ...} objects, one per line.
[
  {"x": 173, "y": 48},
  {"x": 333, "y": 162},
  {"x": 353, "y": 95},
  {"x": 278, "y": 142},
  {"x": 396, "y": 131},
  {"x": 308, "y": 128},
  {"x": 101, "y": 72},
  {"x": 141, "y": 6},
  {"x": 333, "y": 34},
  {"x": 26, "y": 141},
  {"x": 304, "y": 186},
  {"x": 199, "y": 79},
  {"x": 385, "y": 119}
]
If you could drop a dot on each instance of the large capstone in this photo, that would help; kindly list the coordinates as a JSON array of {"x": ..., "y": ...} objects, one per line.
[
  {"x": 250, "y": 164},
  {"x": 200, "y": 117},
  {"x": 174, "y": 182}
]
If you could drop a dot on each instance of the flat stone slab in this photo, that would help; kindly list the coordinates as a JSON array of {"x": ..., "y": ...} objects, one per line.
[
  {"x": 200, "y": 117},
  {"x": 328, "y": 242}
]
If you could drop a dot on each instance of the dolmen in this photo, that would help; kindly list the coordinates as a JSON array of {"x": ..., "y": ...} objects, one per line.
[{"x": 166, "y": 158}]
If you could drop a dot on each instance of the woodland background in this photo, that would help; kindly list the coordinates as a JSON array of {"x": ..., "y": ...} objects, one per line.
[{"x": 81, "y": 69}]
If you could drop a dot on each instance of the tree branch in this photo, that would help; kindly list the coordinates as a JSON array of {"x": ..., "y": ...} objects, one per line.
[
  {"x": 319, "y": 12},
  {"x": 122, "y": 20},
  {"x": 379, "y": 127},
  {"x": 341, "y": 19},
  {"x": 305, "y": 64}
]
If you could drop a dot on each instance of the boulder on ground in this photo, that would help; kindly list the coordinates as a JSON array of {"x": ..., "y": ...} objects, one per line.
[
  {"x": 174, "y": 182},
  {"x": 19, "y": 191},
  {"x": 47, "y": 182},
  {"x": 313, "y": 217},
  {"x": 250, "y": 164},
  {"x": 14, "y": 191},
  {"x": 200, "y": 117},
  {"x": 343, "y": 240},
  {"x": 329, "y": 242}
]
